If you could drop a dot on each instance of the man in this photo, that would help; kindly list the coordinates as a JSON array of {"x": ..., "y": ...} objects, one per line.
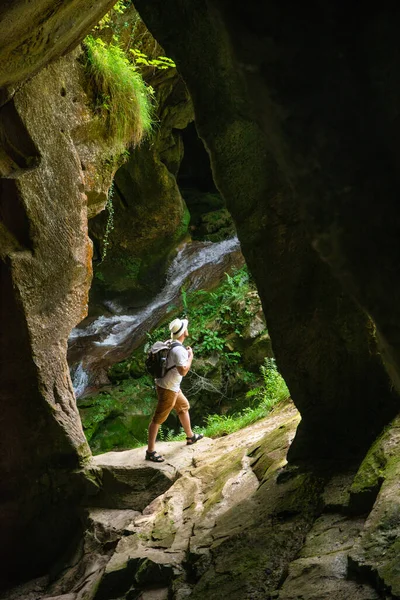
[{"x": 169, "y": 390}]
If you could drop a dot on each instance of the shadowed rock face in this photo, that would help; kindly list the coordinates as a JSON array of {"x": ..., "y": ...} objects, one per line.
[
  {"x": 34, "y": 33},
  {"x": 45, "y": 264},
  {"x": 285, "y": 105}
]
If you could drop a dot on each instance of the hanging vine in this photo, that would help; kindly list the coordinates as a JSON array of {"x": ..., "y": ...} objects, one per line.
[{"x": 110, "y": 221}]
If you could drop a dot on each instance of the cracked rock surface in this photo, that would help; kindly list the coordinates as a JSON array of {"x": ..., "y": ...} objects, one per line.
[{"x": 230, "y": 517}]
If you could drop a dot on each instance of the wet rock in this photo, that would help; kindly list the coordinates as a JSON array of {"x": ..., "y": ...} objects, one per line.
[{"x": 197, "y": 265}]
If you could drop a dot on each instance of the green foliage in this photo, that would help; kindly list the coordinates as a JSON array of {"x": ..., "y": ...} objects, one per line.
[
  {"x": 169, "y": 435},
  {"x": 212, "y": 342},
  {"x": 161, "y": 62},
  {"x": 121, "y": 97},
  {"x": 229, "y": 309},
  {"x": 273, "y": 388},
  {"x": 221, "y": 307},
  {"x": 185, "y": 301},
  {"x": 118, "y": 8}
]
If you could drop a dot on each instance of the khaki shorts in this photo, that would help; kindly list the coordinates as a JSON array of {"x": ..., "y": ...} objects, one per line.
[{"x": 168, "y": 400}]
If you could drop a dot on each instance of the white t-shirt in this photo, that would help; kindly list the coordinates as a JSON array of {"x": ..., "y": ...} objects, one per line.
[{"x": 179, "y": 357}]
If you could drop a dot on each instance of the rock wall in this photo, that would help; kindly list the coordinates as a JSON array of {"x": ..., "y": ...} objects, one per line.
[
  {"x": 150, "y": 216},
  {"x": 34, "y": 33},
  {"x": 46, "y": 272},
  {"x": 261, "y": 105}
]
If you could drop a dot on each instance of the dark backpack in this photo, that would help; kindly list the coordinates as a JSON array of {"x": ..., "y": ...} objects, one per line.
[{"x": 156, "y": 361}]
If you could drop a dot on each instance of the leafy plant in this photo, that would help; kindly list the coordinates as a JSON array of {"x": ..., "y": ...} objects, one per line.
[
  {"x": 273, "y": 388},
  {"x": 161, "y": 62},
  {"x": 212, "y": 342},
  {"x": 184, "y": 297}
]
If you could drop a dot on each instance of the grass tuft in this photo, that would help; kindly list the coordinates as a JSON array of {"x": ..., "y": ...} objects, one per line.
[{"x": 121, "y": 97}]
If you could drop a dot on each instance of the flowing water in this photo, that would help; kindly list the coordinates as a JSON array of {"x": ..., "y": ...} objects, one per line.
[{"x": 109, "y": 339}]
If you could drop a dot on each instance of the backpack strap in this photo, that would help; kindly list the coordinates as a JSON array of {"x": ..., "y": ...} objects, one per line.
[{"x": 173, "y": 345}]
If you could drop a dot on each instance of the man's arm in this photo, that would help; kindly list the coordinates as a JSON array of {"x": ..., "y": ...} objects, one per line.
[{"x": 183, "y": 370}]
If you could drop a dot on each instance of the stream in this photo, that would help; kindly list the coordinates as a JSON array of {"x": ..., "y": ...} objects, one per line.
[{"x": 94, "y": 346}]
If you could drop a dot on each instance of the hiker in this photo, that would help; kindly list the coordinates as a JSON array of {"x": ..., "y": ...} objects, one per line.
[{"x": 168, "y": 390}]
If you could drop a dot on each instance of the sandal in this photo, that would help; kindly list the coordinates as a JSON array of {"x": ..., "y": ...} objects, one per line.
[
  {"x": 194, "y": 439},
  {"x": 154, "y": 457}
]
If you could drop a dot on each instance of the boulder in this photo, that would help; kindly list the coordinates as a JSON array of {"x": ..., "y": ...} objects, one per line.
[{"x": 376, "y": 553}]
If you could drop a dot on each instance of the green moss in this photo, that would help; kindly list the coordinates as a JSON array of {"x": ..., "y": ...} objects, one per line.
[
  {"x": 181, "y": 231},
  {"x": 99, "y": 275},
  {"x": 118, "y": 269},
  {"x": 227, "y": 467},
  {"x": 216, "y": 226},
  {"x": 84, "y": 454},
  {"x": 371, "y": 470}
]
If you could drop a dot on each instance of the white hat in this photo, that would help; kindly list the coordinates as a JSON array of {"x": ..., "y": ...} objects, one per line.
[{"x": 177, "y": 327}]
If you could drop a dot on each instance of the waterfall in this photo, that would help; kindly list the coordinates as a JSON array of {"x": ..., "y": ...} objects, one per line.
[
  {"x": 80, "y": 380},
  {"x": 113, "y": 330}
]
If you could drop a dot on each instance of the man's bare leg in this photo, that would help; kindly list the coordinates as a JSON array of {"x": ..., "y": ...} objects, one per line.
[
  {"x": 185, "y": 422},
  {"x": 153, "y": 430}
]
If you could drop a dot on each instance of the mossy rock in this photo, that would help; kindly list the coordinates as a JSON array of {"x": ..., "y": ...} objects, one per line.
[
  {"x": 133, "y": 367},
  {"x": 200, "y": 203},
  {"x": 215, "y": 226},
  {"x": 118, "y": 418},
  {"x": 255, "y": 351}
]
